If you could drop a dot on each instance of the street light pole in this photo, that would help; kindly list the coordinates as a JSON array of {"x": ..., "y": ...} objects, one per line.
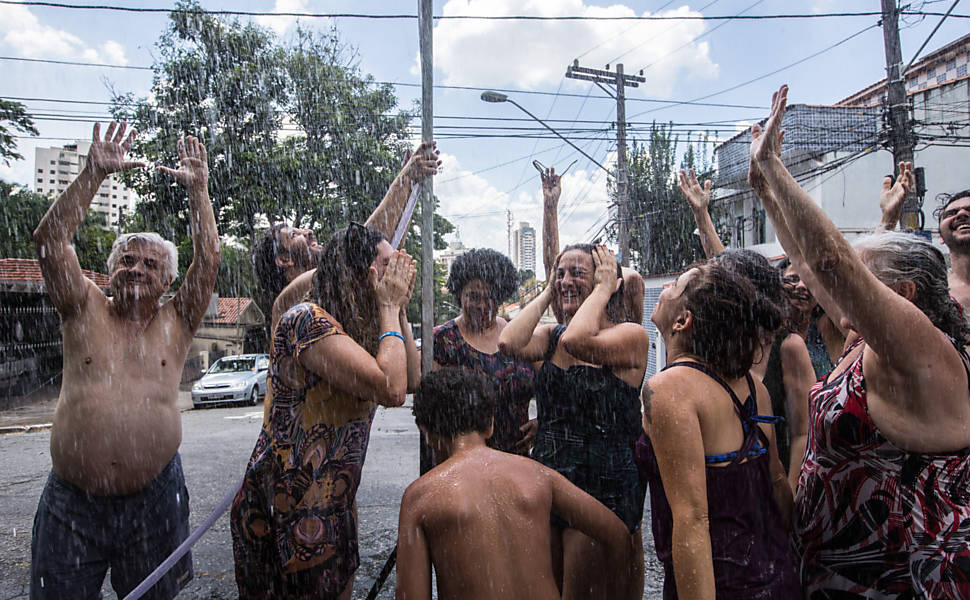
[{"x": 497, "y": 97}]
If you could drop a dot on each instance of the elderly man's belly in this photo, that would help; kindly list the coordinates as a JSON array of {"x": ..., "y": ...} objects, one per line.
[{"x": 114, "y": 440}]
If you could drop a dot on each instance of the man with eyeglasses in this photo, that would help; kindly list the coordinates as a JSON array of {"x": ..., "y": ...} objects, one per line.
[{"x": 954, "y": 220}]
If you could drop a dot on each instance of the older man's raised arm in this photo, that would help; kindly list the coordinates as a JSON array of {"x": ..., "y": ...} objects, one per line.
[
  {"x": 193, "y": 295},
  {"x": 65, "y": 283}
]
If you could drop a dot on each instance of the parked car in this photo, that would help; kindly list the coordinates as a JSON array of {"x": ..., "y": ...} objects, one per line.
[{"x": 238, "y": 378}]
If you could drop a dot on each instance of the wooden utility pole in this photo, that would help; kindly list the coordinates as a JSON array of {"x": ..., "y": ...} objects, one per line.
[
  {"x": 620, "y": 82},
  {"x": 901, "y": 139},
  {"x": 425, "y": 24}
]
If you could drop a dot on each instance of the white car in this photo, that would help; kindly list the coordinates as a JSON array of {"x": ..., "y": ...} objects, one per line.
[{"x": 238, "y": 378}]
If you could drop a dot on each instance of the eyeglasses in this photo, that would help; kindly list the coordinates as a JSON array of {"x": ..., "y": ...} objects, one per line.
[{"x": 791, "y": 279}]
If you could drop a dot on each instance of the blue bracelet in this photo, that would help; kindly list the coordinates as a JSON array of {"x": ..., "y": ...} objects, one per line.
[{"x": 390, "y": 333}]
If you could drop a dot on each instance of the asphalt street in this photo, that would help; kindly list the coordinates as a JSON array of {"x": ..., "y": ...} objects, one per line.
[{"x": 216, "y": 444}]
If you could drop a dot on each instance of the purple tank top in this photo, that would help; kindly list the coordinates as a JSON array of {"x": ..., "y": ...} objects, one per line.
[{"x": 749, "y": 544}]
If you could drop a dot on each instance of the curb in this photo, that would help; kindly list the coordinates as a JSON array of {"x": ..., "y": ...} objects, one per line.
[{"x": 25, "y": 428}]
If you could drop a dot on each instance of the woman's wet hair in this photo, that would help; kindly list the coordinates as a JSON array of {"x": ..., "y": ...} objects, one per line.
[
  {"x": 614, "y": 308},
  {"x": 493, "y": 268},
  {"x": 341, "y": 285},
  {"x": 269, "y": 275},
  {"x": 452, "y": 401},
  {"x": 729, "y": 318},
  {"x": 754, "y": 267},
  {"x": 894, "y": 257}
]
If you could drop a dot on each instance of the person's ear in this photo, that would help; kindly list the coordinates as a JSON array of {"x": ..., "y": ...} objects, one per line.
[
  {"x": 683, "y": 321},
  {"x": 906, "y": 289}
]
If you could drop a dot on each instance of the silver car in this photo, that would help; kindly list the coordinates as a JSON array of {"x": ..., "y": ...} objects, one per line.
[{"x": 239, "y": 378}]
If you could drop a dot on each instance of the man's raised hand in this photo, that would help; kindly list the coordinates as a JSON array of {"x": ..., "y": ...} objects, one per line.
[
  {"x": 193, "y": 171},
  {"x": 767, "y": 144},
  {"x": 108, "y": 155},
  {"x": 697, "y": 197},
  {"x": 893, "y": 195}
]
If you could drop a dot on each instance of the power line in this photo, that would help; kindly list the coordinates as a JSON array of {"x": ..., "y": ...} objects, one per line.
[{"x": 319, "y": 15}]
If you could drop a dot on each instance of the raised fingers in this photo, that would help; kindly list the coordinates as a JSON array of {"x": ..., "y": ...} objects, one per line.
[
  {"x": 109, "y": 134},
  {"x": 119, "y": 136},
  {"x": 128, "y": 141}
]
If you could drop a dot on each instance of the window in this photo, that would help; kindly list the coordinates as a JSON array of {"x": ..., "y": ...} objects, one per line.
[
  {"x": 114, "y": 195},
  {"x": 52, "y": 171},
  {"x": 40, "y": 170},
  {"x": 53, "y": 162},
  {"x": 40, "y": 181},
  {"x": 51, "y": 181},
  {"x": 61, "y": 182}
]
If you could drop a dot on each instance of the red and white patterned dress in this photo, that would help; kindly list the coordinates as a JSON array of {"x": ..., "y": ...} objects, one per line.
[{"x": 872, "y": 520}]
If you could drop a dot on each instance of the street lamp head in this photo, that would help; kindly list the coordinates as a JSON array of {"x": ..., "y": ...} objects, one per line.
[{"x": 494, "y": 97}]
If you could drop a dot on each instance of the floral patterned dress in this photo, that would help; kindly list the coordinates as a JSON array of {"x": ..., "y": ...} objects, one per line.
[
  {"x": 294, "y": 521},
  {"x": 513, "y": 380},
  {"x": 873, "y": 520}
]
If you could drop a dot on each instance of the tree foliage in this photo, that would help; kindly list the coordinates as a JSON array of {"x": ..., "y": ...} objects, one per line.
[
  {"x": 13, "y": 117},
  {"x": 662, "y": 226},
  {"x": 20, "y": 212},
  {"x": 293, "y": 130}
]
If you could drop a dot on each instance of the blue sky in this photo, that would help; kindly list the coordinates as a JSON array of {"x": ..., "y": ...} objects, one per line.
[{"x": 683, "y": 60}]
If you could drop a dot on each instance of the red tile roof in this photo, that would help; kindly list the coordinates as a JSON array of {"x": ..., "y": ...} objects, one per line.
[
  {"x": 28, "y": 269},
  {"x": 230, "y": 309}
]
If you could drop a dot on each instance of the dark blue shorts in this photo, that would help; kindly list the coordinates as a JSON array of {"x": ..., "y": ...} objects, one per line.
[{"x": 77, "y": 536}]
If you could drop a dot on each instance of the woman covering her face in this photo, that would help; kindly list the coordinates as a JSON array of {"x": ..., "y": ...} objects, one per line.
[
  {"x": 294, "y": 522},
  {"x": 588, "y": 408}
]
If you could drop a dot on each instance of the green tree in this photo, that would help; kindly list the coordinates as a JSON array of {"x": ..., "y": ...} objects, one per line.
[
  {"x": 13, "y": 117},
  {"x": 661, "y": 223},
  {"x": 20, "y": 212}
]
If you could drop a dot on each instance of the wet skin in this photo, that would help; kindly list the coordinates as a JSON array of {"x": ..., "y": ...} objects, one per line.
[
  {"x": 116, "y": 424},
  {"x": 574, "y": 280},
  {"x": 955, "y": 231}
]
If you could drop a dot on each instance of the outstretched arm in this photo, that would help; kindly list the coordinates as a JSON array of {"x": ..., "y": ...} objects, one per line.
[
  {"x": 893, "y": 196},
  {"x": 65, "y": 283},
  {"x": 699, "y": 199},
  {"x": 419, "y": 164},
  {"x": 867, "y": 303},
  {"x": 798, "y": 376},
  {"x": 551, "y": 190},
  {"x": 292, "y": 294},
  {"x": 192, "y": 298},
  {"x": 624, "y": 345}
]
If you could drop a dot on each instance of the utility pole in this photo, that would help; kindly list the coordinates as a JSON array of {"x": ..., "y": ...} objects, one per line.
[
  {"x": 901, "y": 139},
  {"x": 620, "y": 82},
  {"x": 425, "y": 24}
]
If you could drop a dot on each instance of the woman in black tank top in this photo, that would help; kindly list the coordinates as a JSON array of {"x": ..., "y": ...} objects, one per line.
[
  {"x": 720, "y": 501},
  {"x": 588, "y": 410}
]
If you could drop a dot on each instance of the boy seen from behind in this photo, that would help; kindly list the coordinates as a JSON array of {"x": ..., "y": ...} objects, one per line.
[{"x": 481, "y": 517}]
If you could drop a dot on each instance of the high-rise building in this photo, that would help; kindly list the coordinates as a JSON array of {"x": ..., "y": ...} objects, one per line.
[
  {"x": 56, "y": 168},
  {"x": 524, "y": 247}
]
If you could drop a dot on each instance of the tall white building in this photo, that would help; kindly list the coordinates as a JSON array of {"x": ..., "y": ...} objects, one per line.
[
  {"x": 448, "y": 256},
  {"x": 524, "y": 247},
  {"x": 56, "y": 168}
]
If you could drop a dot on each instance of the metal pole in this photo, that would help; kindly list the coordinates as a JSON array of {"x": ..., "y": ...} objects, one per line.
[
  {"x": 563, "y": 138},
  {"x": 623, "y": 212},
  {"x": 425, "y": 23}
]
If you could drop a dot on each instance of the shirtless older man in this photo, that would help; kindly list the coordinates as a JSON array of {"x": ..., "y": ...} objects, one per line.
[
  {"x": 482, "y": 517},
  {"x": 116, "y": 496}
]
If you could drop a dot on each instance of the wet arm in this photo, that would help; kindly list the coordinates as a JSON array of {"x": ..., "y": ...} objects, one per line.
[
  {"x": 413, "y": 355},
  {"x": 699, "y": 198},
  {"x": 551, "y": 190},
  {"x": 292, "y": 294},
  {"x": 192, "y": 298},
  {"x": 622, "y": 346},
  {"x": 520, "y": 339},
  {"x": 798, "y": 378},
  {"x": 676, "y": 436},
  {"x": 413, "y": 554},
  {"x": 420, "y": 164}
]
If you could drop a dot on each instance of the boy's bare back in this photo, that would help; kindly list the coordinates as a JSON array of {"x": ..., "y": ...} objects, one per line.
[{"x": 482, "y": 519}]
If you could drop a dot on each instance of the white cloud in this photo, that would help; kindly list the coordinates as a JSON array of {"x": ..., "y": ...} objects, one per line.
[
  {"x": 478, "y": 208},
  {"x": 531, "y": 54},
  {"x": 283, "y": 24},
  {"x": 24, "y": 35}
]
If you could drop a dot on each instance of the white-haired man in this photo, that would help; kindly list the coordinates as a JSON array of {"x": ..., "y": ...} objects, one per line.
[{"x": 116, "y": 496}]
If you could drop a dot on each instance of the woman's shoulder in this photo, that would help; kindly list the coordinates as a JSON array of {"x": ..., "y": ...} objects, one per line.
[{"x": 308, "y": 315}]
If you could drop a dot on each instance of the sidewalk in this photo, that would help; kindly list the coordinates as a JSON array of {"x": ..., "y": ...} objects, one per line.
[{"x": 36, "y": 413}]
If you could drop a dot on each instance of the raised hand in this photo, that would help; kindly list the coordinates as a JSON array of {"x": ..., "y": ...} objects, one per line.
[
  {"x": 551, "y": 185},
  {"x": 697, "y": 197},
  {"x": 605, "y": 274},
  {"x": 108, "y": 155},
  {"x": 893, "y": 195},
  {"x": 767, "y": 144},
  {"x": 424, "y": 161},
  {"x": 193, "y": 171},
  {"x": 395, "y": 287}
]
